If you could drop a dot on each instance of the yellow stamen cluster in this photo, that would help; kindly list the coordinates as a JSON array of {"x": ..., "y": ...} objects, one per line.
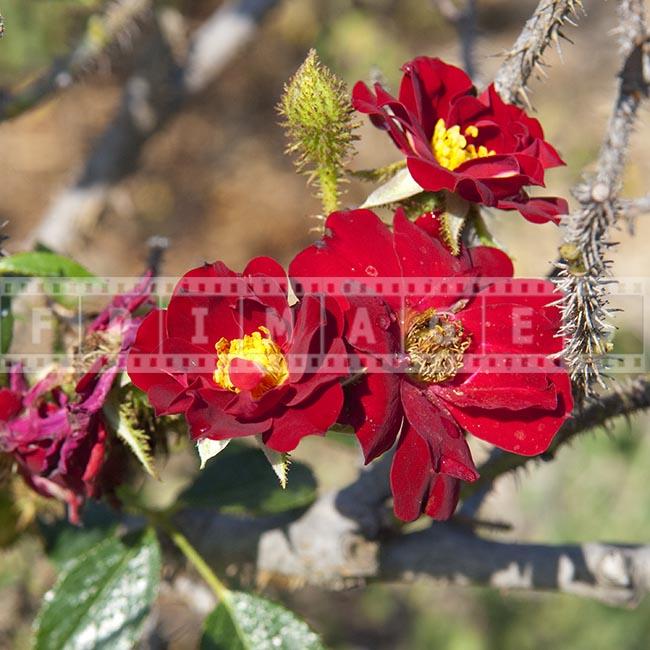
[
  {"x": 450, "y": 147},
  {"x": 435, "y": 345},
  {"x": 258, "y": 348}
]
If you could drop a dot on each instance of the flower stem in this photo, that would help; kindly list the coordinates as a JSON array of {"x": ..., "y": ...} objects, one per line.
[
  {"x": 328, "y": 181},
  {"x": 193, "y": 556}
]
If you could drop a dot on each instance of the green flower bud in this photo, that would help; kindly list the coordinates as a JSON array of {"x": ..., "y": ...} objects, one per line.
[{"x": 318, "y": 118}]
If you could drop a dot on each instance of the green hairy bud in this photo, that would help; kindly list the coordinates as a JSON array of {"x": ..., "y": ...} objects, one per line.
[{"x": 318, "y": 119}]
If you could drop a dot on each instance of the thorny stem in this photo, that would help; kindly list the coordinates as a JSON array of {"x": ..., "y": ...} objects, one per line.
[
  {"x": 543, "y": 29},
  {"x": 584, "y": 271}
]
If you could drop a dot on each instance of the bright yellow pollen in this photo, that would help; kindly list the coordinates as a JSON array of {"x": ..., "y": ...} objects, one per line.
[
  {"x": 450, "y": 147},
  {"x": 262, "y": 351}
]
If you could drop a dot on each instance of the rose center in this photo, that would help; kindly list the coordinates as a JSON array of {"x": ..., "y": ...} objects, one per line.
[
  {"x": 452, "y": 149},
  {"x": 254, "y": 362},
  {"x": 435, "y": 344}
]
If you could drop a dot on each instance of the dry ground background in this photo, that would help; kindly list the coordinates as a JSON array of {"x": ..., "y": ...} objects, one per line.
[{"x": 216, "y": 182}]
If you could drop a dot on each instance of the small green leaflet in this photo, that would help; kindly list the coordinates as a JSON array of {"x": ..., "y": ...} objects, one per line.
[
  {"x": 380, "y": 174},
  {"x": 246, "y": 622}
]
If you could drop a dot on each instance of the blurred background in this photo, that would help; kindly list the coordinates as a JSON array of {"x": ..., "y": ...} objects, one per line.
[{"x": 213, "y": 178}]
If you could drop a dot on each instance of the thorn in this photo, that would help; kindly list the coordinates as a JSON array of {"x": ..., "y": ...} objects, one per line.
[
  {"x": 565, "y": 37},
  {"x": 523, "y": 95},
  {"x": 556, "y": 40},
  {"x": 540, "y": 70}
]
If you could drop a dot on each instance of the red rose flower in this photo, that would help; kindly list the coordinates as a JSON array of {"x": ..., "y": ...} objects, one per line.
[
  {"x": 427, "y": 328},
  {"x": 233, "y": 356},
  {"x": 481, "y": 148}
]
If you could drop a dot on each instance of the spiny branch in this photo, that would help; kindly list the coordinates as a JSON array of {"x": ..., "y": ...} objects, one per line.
[
  {"x": 543, "y": 28},
  {"x": 583, "y": 271}
]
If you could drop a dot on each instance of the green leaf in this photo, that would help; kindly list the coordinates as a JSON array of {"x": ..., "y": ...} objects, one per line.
[
  {"x": 400, "y": 186},
  {"x": 122, "y": 422},
  {"x": 246, "y": 622},
  {"x": 6, "y": 324},
  {"x": 42, "y": 264},
  {"x": 239, "y": 480},
  {"x": 102, "y": 598}
]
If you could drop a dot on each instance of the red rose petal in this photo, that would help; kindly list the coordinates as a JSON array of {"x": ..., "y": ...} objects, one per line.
[
  {"x": 526, "y": 432},
  {"x": 410, "y": 475},
  {"x": 313, "y": 417},
  {"x": 374, "y": 409},
  {"x": 443, "y": 497},
  {"x": 449, "y": 451}
]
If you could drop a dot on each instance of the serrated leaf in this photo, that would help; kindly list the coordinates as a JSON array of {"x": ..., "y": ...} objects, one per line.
[
  {"x": 453, "y": 219},
  {"x": 42, "y": 264},
  {"x": 279, "y": 462},
  {"x": 246, "y": 622},
  {"x": 209, "y": 448},
  {"x": 399, "y": 187},
  {"x": 102, "y": 598},
  {"x": 135, "y": 439},
  {"x": 239, "y": 481}
]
